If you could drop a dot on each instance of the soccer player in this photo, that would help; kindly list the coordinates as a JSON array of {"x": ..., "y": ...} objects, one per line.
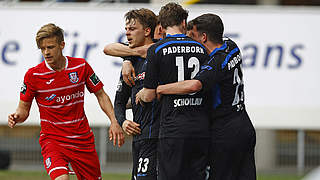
[
  {"x": 184, "y": 124},
  {"x": 58, "y": 85},
  {"x": 121, "y": 50},
  {"x": 232, "y": 133},
  {"x": 144, "y": 128}
]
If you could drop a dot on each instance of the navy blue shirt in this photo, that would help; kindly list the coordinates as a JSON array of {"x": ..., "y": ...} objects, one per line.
[
  {"x": 148, "y": 116},
  {"x": 222, "y": 75},
  {"x": 177, "y": 58}
]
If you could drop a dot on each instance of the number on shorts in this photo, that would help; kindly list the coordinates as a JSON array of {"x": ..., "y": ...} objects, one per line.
[{"x": 143, "y": 165}]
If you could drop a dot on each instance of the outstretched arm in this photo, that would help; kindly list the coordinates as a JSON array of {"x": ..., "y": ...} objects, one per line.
[
  {"x": 182, "y": 87},
  {"x": 21, "y": 114},
  {"x": 115, "y": 131},
  {"x": 121, "y": 50}
]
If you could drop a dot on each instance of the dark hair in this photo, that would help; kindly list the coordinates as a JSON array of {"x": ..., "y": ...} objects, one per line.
[
  {"x": 190, "y": 25},
  {"x": 210, "y": 24},
  {"x": 48, "y": 31},
  {"x": 172, "y": 14},
  {"x": 145, "y": 16}
]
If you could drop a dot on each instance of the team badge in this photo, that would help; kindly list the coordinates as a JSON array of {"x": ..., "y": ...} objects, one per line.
[
  {"x": 94, "y": 79},
  {"x": 73, "y": 76},
  {"x": 23, "y": 88},
  {"x": 48, "y": 162}
]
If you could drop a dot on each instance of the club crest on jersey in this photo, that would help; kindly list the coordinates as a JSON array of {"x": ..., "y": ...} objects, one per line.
[
  {"x": 23, "y": 88},
  {"x": 48, "y": 162},
  {"x": 73, "y": 76}
]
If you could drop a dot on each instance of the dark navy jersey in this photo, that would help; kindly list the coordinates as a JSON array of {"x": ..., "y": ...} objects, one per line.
[
  {"x": 177, "y": 58},
  {"x": 148, "y": 116},
  {"x": 222, "y": 75}
]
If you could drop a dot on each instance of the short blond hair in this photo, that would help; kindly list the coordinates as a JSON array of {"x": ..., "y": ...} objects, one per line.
[{"x": 48, "y": 31}]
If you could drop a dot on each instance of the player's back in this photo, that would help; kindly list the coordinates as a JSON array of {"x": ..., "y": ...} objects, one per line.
[{"x": 177, "y": 58}]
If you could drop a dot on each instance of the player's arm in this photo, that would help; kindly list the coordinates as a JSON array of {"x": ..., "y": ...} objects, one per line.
[
  {"x": 121, "y": 50},
  {"x": 182, "y": 87},
  {"x": 21, "y": 114},
  {"x": 148, "y": 93},
  {"x": 145, "y": 95},
  {"x": 121, "y": 100},
  {"x": 115, "y": 131}
]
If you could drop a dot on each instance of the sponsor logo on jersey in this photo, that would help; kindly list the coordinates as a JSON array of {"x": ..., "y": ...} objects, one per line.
[
  {"x": 140, "y": 76},
  {"x": 187, "y": 102},
  {"x": 23, "y": 88},
  {"x": 73, "y": 76},
  {"x": 48, "y": 162},
  {"x": 69, "y": 97},
  {"x": 50, "y": 81},
  {"x": 94, "y": 79},
  {"x": 50, "y": 97}
]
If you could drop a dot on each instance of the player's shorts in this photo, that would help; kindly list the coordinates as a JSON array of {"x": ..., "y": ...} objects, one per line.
[
  {"x": 56, "y": 161},
  {"x": 232, "y": 150},
  {"x": 144, "y": 153},
  {"x": 183, "y": 158}
]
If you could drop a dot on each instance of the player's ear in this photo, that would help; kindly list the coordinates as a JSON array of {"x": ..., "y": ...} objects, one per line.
[
  {"x": 62, "y": 44},
  {"x": 204, "y": 37},
  {"x": 147, "y": 32}
]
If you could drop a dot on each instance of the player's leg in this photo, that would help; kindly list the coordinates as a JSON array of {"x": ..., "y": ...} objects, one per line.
[
  {"x": 135, "y": 154},
  {"x": 231, "y": 144},
  {"x": 248, "y": 167},
  {"x": 171, "y": 159},
  {"x": 198, "y": 157},
  {"x": 62, "y": 177},
  {"x": 147, "y": 160},
  {"x": 55, "y": 161},
  {"x": 85, "y": 164}
]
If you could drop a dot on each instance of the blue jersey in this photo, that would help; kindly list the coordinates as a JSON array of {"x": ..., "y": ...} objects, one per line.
[
  {"x": 148, "y": 116},
  {"x": 222, "y": 75},
  {"x": 172, "y": 59}
]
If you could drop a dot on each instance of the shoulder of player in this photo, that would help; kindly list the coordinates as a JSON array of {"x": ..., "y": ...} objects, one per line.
[
  {"x": 76, "y": 62},
  {"x": 40, "y": 68},
  {"x": 227, "y": 59}
]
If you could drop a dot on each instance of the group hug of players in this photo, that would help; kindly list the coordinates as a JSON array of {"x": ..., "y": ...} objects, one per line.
[
  {"x": 185, "y": 84},
  {"x": 187, "y": 98}
]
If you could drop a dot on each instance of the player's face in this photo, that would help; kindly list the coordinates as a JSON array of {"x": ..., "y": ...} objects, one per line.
[
  {"x": 51, "y": 50},
  {"x": 194, "y": 34},
  {"x": 135, "y": 33}
]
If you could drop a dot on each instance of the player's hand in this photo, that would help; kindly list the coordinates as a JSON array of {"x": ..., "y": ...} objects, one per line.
[
  {"x": 131, "y": 128},
  {"x": 142, "y": 50},
  {"x": 139, "y": 99},
  {"x": 128, "y": 73},
  {"x": 13, "y": 119},
  {"x": 115, "y": 132},
  {"x": 158, "y": 92}
]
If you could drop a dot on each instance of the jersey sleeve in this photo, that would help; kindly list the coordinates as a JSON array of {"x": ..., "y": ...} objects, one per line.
[
  {"x": 122, "y": 96},
  {"x": 27, "y": 90},
  {"x": 152, "y": 73},
  {"x": 93, "y": 83},
  {"x": 208, "y": 75}
]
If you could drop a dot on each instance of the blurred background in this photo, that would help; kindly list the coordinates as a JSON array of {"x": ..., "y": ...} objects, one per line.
[{"x": 279, "y": 43}]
